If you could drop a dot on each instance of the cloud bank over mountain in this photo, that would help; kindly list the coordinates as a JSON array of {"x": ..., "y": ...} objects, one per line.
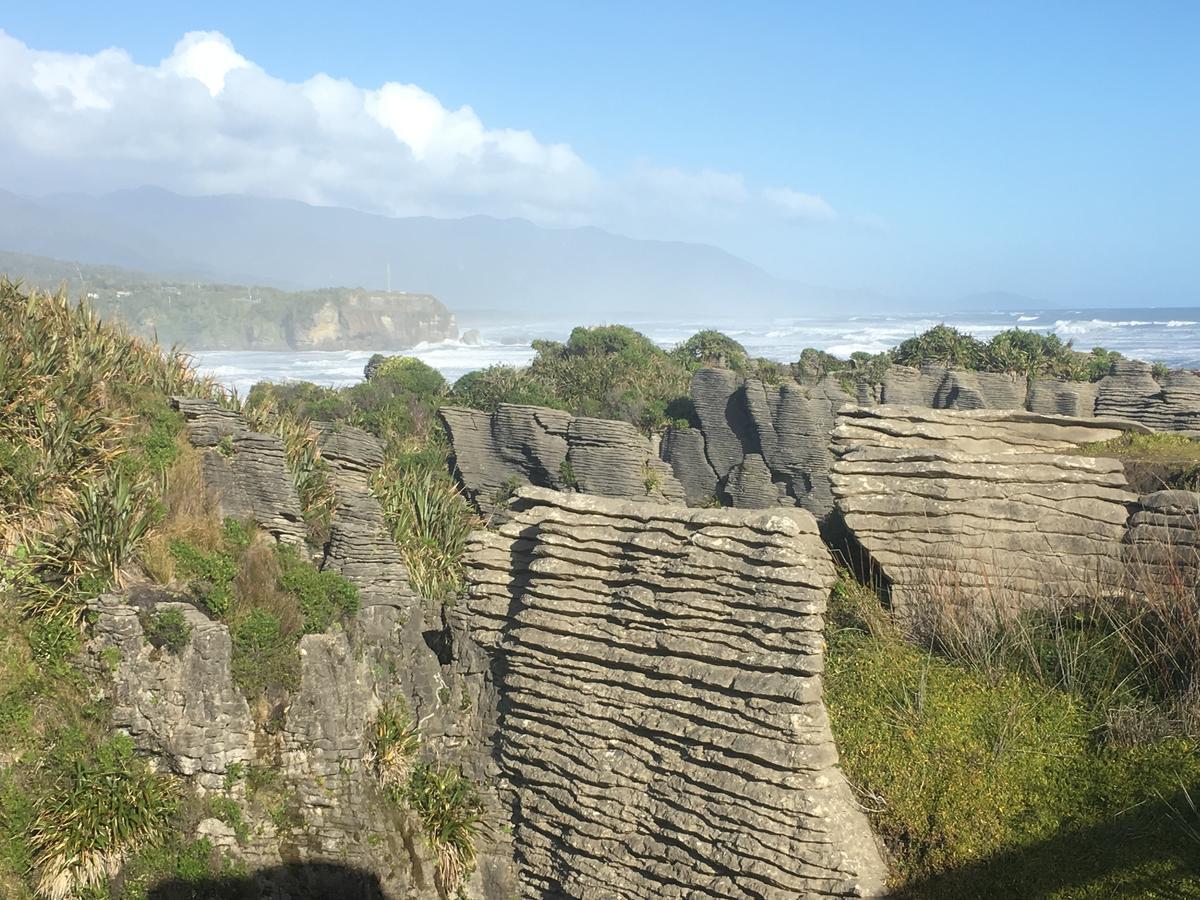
[{"x": 207, "y": 120}]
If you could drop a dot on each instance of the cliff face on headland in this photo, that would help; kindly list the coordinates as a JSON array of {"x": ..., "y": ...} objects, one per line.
[
  {"x": 216, "y": 317},
  {"x": 369, "y": 321}
]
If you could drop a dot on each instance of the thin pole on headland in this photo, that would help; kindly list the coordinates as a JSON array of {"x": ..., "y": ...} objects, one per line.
[{"x": 389, "y": 277}]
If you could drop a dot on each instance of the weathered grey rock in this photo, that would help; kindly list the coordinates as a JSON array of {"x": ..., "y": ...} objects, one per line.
[
  {"x": 684, "y": 449},
  {"x": 662, "y": 732},
  {"x": 746, "y": 424},
  {"x": 183, "y": 706},
  {"x": 360, "y": 546},
  {"x": 185, "y": 711},
  {"x": 990, "y": 511},
  {"x": 1163, "y": 547},
  {"x": 245, "y": 471},
  {"x": 729, "y": 432},
  {"x": 910, "y": 386},
  {"x": 1064, "y": 398},
  {"x": 1130, "y": 392},
  {"x": 517, "y": 445},
  {"x": 547, "y": 447},
  {"x": 749, "y": 485},
  {"x": 611, "y": 459}
]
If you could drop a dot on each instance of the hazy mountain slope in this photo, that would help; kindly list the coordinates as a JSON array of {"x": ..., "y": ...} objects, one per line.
[{"x": 477, "y": 262}]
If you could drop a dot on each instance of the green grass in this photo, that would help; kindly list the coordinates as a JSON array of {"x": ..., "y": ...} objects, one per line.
[
  {"x": 212, "y": 574},
  {"x": 1000, "y": 782},
  {"x": 450, "y": 810},
  {"x": 1153, "y": 462},
  {"x": 324, "y": 597},
  {"x": 1159, "y": 445},
  {"x": 265, "y": 658},
  {"x": 430, "y": 522},
  {"x": 94, "y": 804},
  {"x": 167, "y": 629}
]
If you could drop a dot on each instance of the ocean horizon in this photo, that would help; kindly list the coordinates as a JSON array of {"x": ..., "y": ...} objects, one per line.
[{"x": 1170, "y": 335}]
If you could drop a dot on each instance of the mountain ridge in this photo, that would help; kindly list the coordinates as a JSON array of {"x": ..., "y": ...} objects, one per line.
[{"x": 474, "y": 262}]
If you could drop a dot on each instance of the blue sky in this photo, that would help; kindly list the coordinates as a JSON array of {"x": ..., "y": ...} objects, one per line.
[{"x": 927, "y": 149}]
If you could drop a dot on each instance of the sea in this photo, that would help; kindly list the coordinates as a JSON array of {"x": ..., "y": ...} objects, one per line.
[{"x": 1170, "y": 335}]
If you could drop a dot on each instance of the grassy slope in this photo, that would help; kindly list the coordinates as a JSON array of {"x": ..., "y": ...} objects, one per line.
[
  {"x": 99, "y": 490},
  {"x": 1000, "y": 783}
]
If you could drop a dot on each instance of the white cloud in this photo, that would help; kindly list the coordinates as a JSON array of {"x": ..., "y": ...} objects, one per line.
[
  {"x": 206, "y": 56},
  {"x": 208, "y": 120},
  {"x": 796, "y": 205}
]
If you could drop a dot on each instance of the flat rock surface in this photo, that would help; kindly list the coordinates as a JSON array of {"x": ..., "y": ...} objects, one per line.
[{"x": 990, "y": 510}]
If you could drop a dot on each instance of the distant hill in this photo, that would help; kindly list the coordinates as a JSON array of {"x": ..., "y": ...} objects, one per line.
[
  {"x": 476, "y": 263},
  {"x": 207, "y": 316}
]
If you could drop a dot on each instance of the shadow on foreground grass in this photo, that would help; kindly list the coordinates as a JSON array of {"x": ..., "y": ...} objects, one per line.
[
  {"x": 296, "y": 881},
  {"x": 1150, "y": 850}
]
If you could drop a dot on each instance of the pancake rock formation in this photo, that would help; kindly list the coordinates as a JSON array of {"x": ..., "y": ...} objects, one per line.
[
  {"x": 662, "y": 731},
  {"x": 991, "y": 511},
  {"x": 1167, "y": 402},
  {"x": 183, "y": 707},
  {"x": 535, "y": 445},
  {"x": 1164, "y": 545}
]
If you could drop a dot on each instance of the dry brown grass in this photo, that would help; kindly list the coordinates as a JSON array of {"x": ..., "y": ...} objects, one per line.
[
  {"x": 188, "y": 515},
  {"x": 256, "y": 586}
]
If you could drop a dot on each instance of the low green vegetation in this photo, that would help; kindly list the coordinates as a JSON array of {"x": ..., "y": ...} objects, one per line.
[
  {"x": 612, "y": 372},
  {"x": 98, "y": 489},
  {"x": 167, "y": 629},
  {"x": 446, "y": 802},
  {"x": 1154, "y": 462},
  {"x": 1044, "y": 758},
  {"x": 450, "y": 810},
  {"x": 269, "y": 595},
  {"x": 1015, "y": 352},
  {"x": 428, "y": 516}
]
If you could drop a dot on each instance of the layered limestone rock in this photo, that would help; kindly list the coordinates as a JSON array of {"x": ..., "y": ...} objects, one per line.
[
  {"x": 766, "y": 445},
  {"x": 938, "y": 387},
  {"x": 1055, "y": 397},
  {"x": 1133, "y": 392},
  {"x": 761, "y": 446},
  {"x": 245, "y": 471},
  {"x": 360, "y": 545},
  {"x": 182, "y": 706},
  {"x": 658, "y": 672},
  {"x": 991, "y": 511},
  {"x": 518, "y": 445},
  {"x": 1163, "y": 545}
]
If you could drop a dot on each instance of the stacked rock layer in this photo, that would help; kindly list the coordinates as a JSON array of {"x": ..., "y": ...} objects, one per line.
[
  {"x": 1164, "y": 546},
  {"x": 183, "y": 708},
  {"x": 516, "y": 445},
  {"x": 659, "y": 679},
  {"x": 759, "y": 446},
  {"x": 988, "y": 511},
  {"x": 245, "y": 471}
]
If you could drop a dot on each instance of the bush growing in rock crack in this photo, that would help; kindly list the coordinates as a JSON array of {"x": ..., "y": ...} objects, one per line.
[
  {"x": 167, "y": 629},
  {"x": 445, "y": 801}
]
